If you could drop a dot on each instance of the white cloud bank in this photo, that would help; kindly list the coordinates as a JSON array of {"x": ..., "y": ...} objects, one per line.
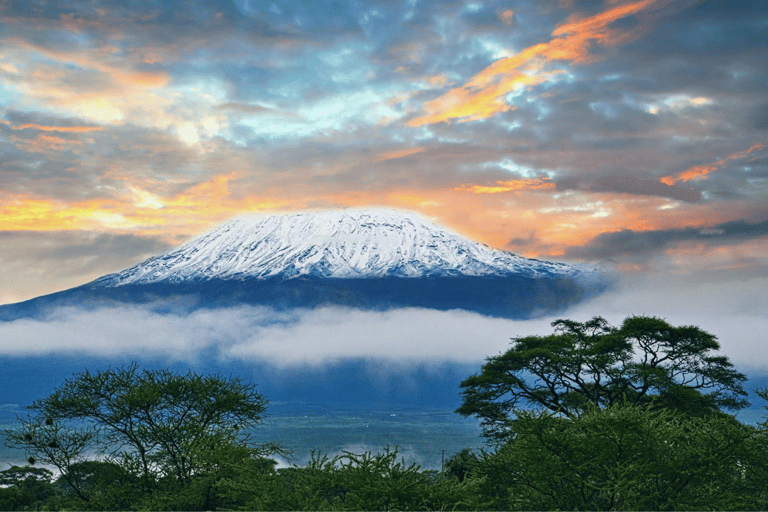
[
  {"x": 732, "y": 310},
  {"x": 298, "y": 337}
]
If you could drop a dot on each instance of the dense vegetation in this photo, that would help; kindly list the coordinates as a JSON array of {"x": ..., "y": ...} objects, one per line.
[{"x": 590, "y": 417}]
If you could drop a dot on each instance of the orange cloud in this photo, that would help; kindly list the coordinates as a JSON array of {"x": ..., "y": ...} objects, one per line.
[
  {"x": 9, "y": 67},
  {"x": 411, "y": 200},
  {"x": 54, "y": 77},
  {"x": 580, "y": 32},
  {"x": 744, "y": 154},
  {"x": 43, "y": 143},
  {"x": 209, "y": 192},
  {"x": 188, "y": 213},
  {"x": 507, "y": 16},
  {"x": 58, "y": 128},
  {"x": 398, "y": 153},
  {"x": 438, "y": 81},
  {"x": 541, "y": 224},
  {"x": 151, "y": 58},
  {"x": 668, "y": 180},
  {"x": 701, "y": 171},
  {"x": 507, "y": 186},
  {"x": 19, "y": 213},
  {"x": 483, "y": 95},
  {"x": 89, "y": 60}
]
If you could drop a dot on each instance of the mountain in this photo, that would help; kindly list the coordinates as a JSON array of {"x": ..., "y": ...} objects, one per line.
[
  {"x": 367, "y": 258},
  {"x": 346, "y": 244},
  {"x": 361, "y": 258}
]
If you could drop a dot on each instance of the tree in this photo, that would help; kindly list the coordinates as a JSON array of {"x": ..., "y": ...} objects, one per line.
[
  {"x": 622, "y": 457},
  {"x": 367, "y": 481},
  {"x": 583, "y": 365},
  {"x": 157, "y": 425},
  {"x": 18, "y": 476},
  {"x": 460, "y": 464},
  {"x": 25, "y": 488},
  {"x": 46, "y": 438}
]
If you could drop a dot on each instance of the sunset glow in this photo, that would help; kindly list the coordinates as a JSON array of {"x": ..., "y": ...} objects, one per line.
[{"x": 621, "y": 131}]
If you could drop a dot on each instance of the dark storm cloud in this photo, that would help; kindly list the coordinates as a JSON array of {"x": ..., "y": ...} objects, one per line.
[
  {"x": 757, "y": 119},
  {"x": 712, "y": 29},
  {"x": 629, "y": 184},
  {"x": 164, "y": 20},
  {"x": 18, "y": 120},
  {"x": 714, "y": 49},
  {"x": 321, "y": 18},
  {"x": 643, "y": 243}
]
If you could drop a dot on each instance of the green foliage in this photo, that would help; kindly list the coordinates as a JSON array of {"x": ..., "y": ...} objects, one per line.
[
  {"x": 106, "y": 486},
  {"x": 26, "y": 488},
  {"x": 461, "y": 464},
  {"x": 623, "y": 422},
  {"x": 583, "y": 365},
  {"x": 367, "y": 481},
  {"x": 18, "y": 476},
  {"x": 623, "y": 457},
  {"x": 165, "y": 431},
  {"x": 229, "y": 474},
  {"x": 49, "y": 440}
]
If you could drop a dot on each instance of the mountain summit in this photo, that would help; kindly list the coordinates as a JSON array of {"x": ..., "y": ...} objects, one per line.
[
  {"x": 345, "y": 244},
  {"x": 360, "y": 258}
]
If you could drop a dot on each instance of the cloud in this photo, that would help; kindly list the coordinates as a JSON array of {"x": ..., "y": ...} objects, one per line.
[
  {"x": 733, "y": 309},
  {"x": 299, "y": 337},
  {"x": 507, "y": 186},
  {"x": 245, "y": 108},
  {"x": 397, "y": 154},
  {"x": 85, "y": 82},
  {"x": 71, "y": 258},
  {"x": 633, "y": 185},
  {"x": 77, "y": 129},
  {"x": 151, "y": 119},
  {"x": 629, "y": 242},
  {"x": 701, "y": 171},
  {"x": 332, "y": 334},
  {"x": 134, "y": 209},
  {"x": 485, "y": 94}
]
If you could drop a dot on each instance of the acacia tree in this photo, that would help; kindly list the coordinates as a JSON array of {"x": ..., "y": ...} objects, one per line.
[
  {"x": 49, "y": 440},
  {"x": 156, "y": 424},
  {"x": 593, "y": 364}
]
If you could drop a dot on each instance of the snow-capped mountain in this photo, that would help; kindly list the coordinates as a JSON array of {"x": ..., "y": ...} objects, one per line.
[
  {"x": 359, "y": 258},
  {"x": 352, "y": 243}
]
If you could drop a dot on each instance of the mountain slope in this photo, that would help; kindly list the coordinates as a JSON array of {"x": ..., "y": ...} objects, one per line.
[
  {"x": 331, "y": 244},
  {"x": 371, "y": 259}
]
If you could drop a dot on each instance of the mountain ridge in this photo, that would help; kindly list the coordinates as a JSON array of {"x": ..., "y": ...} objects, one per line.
[
  {"x": 350, "y": 243},
  {"x": 359, "y": 258}
]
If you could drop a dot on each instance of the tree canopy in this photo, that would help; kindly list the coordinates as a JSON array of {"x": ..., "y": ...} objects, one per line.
[
  {"x": 594, "y": 364},
  {"x": 590, "y": 417},
  {"x": 625, "y": 457},
  {"x": 157, "y": 425}
]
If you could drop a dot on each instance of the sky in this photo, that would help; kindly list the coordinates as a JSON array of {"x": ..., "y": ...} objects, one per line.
[{"x": 632, "y": 134}]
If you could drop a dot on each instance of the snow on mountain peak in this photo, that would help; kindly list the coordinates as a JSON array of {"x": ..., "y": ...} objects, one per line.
[{"x": 350, "y": 243}]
